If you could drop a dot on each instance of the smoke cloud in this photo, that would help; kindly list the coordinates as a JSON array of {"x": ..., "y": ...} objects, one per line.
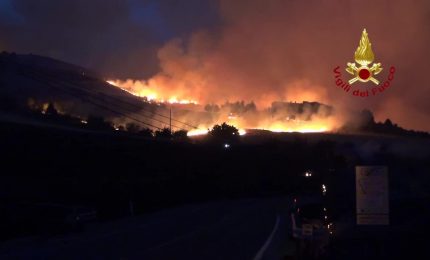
[
  {"x": 286, "y": 50},
  {"x": 251, "y": 50}
]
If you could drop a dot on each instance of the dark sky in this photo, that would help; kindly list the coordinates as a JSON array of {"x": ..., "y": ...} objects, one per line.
[
  {"x": 119, "y": 38},
  {"x": 218, "y": 50}
]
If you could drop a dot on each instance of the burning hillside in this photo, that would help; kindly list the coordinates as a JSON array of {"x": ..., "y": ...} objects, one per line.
[
  {"x": 144, "y": 90},
  {"x": 305, "y": 117},
  {"x": 200, "y": 78},
  {"x": 35, "y": 82}
]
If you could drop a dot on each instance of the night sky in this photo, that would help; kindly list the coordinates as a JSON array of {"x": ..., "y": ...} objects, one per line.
[
  {"x": 117, "y": 37},
  {"x": 236, "y": 49}
]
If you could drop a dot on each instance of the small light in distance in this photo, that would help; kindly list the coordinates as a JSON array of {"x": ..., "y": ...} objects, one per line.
[
  {"x": 330, "y": 228},
  {"x": 308, "y": 174},
  {"x": 226, "y": 146},
  {"x": 324, "y": 189}
]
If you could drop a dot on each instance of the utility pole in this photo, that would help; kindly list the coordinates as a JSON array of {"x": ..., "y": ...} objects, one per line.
[{"x": 170, "y": 121}]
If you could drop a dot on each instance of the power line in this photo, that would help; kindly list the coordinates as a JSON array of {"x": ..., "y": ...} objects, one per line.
[
  {"x": 132, "y": 105},
  {"x": 137, "y": 107},
  {"x": 154, "y": 113},
  {"x": 99, "y": 105},
  {"x": 96, "y": 98}
]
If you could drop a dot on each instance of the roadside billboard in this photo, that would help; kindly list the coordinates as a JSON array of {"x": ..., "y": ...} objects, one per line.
[{"x": 372, "y": 201}]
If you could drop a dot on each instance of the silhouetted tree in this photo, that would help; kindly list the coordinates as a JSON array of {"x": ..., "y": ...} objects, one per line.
[
  {"x": 388, "y": 123},
  {"x": 146, "y": 132},
  {"x": 212, "y": 108},
  {"x": 239, "y": 107},
  {"x": 163, "y": 133},
  {"x": 180, "y": 135},
  {"x": 224, "y": 132},
  {"x": 250, "y": 107},
  {"x": 364, "y": 122},
  {"x": 51, "y": 110},
  {"x": 132, "y": 128}
]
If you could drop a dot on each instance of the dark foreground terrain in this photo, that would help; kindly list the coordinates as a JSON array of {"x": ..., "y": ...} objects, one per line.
[
  {"x": 238, "y": 229},
  {"x": 118, "y": 175}
]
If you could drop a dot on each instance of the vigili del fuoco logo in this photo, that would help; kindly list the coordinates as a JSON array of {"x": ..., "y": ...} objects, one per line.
[{"x": 364, "y": 71}]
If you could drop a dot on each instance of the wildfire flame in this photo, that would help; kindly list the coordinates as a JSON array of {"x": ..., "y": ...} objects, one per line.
[
  {"x": 142, "y": 89},
  {"x": 198, "y": 132},
  {"x": 302, "y": 129},
  {"x": 202, "y": 131}
]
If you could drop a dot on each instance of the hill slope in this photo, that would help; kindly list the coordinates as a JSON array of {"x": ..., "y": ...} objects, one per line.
[{"x": 42, "y": 80}]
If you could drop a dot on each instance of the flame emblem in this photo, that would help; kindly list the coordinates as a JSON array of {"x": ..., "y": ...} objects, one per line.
[{"x": 364, "y": 57}]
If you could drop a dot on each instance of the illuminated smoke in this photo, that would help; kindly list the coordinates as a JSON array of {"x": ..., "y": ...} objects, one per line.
[{"x": 277, "y": 50}]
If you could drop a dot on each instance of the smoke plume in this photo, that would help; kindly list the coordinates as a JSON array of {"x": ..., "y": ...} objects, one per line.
[
  {"x": 262, "y": 50},
  {"x": 276, "y": 50}
]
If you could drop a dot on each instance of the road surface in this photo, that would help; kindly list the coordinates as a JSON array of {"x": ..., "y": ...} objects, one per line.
[{"x": 241, "y": 229}]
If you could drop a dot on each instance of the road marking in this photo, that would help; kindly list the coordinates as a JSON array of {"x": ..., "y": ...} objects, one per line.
[{"x": 263, "y": 249}]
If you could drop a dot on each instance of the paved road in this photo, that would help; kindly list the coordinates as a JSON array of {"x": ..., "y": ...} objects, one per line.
[{"x": 242, "y": 229}]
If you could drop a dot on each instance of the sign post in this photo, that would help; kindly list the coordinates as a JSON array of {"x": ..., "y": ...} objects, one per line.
[{"x": 371, "y": 184}]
